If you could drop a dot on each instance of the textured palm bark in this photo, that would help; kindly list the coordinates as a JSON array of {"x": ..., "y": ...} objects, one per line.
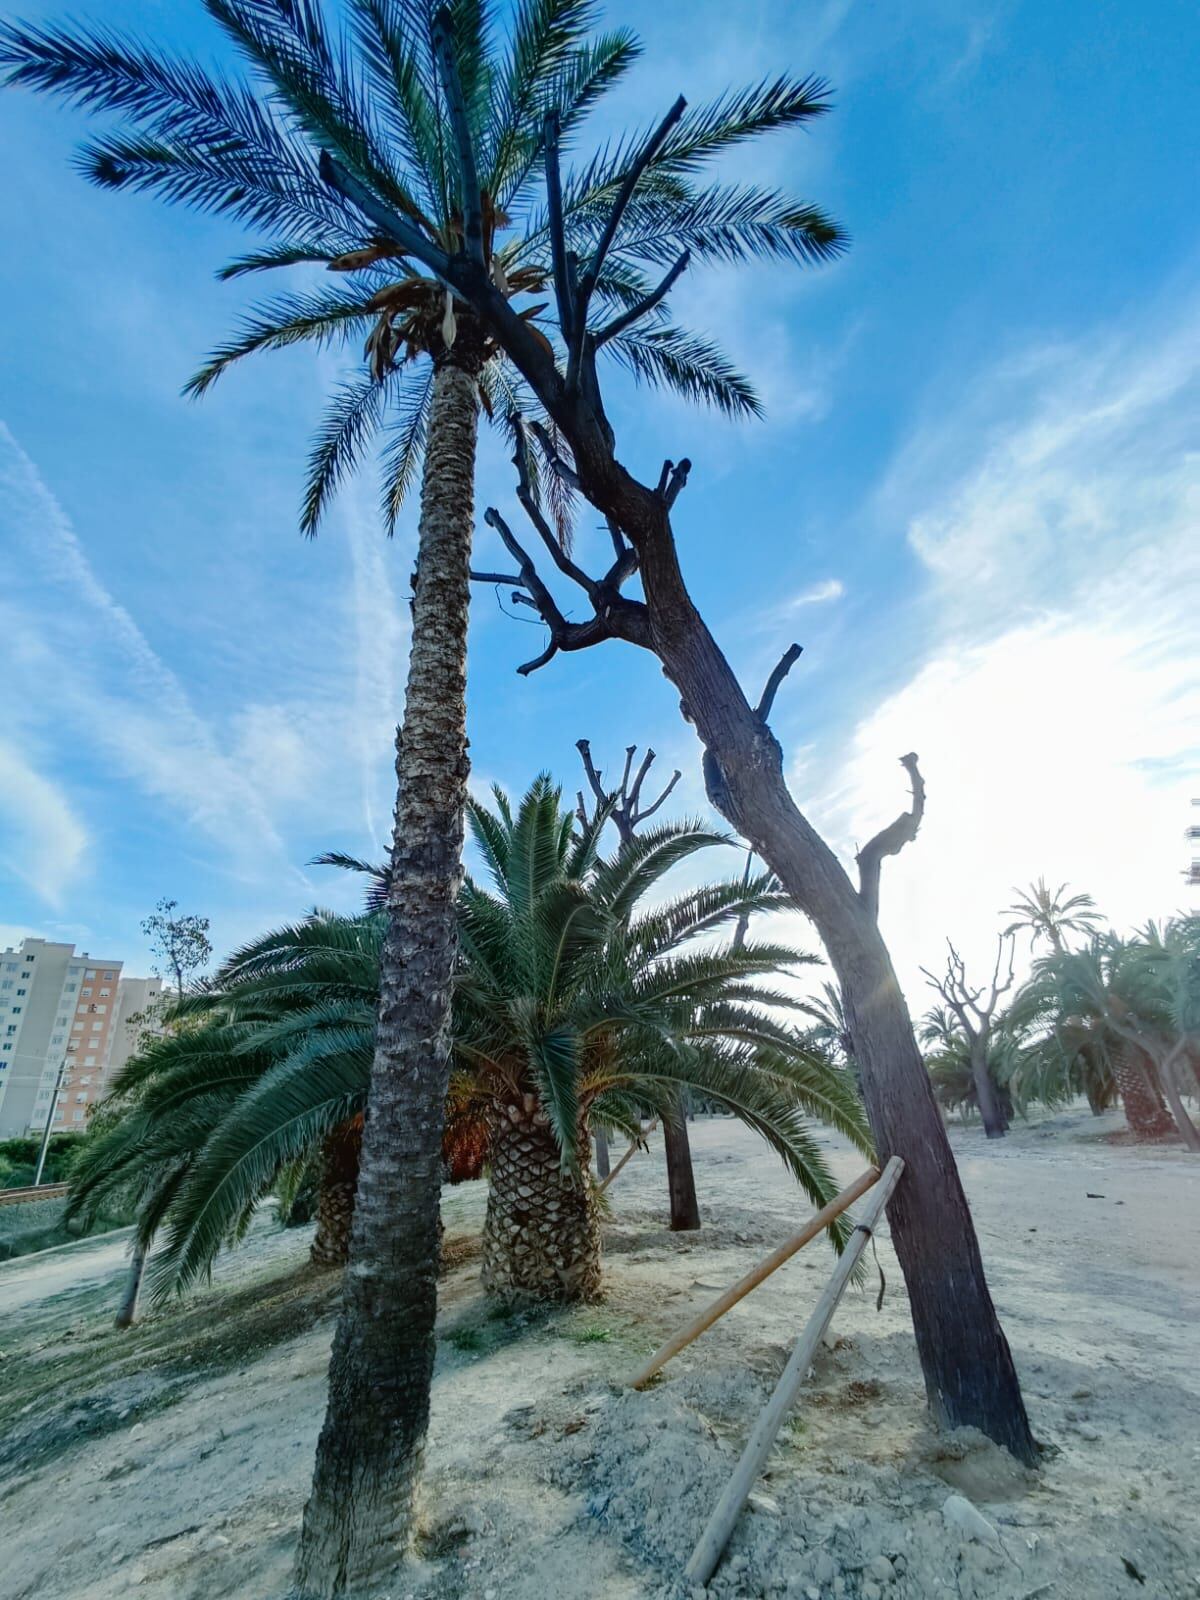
[
  {"x": 340, "y": 1156},
  {"x": 1147, "y": 1116},
  {"x": 541, "y": 1237},
  {"x": 361, "y": 1513}
]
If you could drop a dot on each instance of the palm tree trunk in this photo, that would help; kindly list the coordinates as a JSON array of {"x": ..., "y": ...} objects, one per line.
[
  {"x": 681, "y": 1181},
  {"x": 1147, "y": 1116},
  {"x": 541, "y": 1238},
  {"x": 127, "y": 1310},
  {"x": 335, "y": 1201},
  {"x": 360, "y": 1513}
]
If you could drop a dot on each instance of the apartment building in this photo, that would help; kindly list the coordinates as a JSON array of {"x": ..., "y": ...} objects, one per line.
[{"x": 62, "y": 1007}]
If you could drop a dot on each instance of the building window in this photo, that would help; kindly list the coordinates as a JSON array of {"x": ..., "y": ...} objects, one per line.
[
  {"x": 89, "y": 1061},
  {"x": 100, "y": 1008},
  {"x": 105, "y": 991},
  {"x": 87, "y": 989},
  {"x": 90, "y": 973},
  {"x": 77, "y": 1027},
  {"x": 110, "y": 975},
  {"x": 7, "y": 984},
  {"x": 22, "y": 991},
  {"x": 96, "y": 1026},
  {"x": 29, "y": 958},
  {"x": 71, "y": 987},
  {"x": 8, "y": 1047},
  {"x": 85, "y": 1079},
  {"x": 76, "y": 1116}
]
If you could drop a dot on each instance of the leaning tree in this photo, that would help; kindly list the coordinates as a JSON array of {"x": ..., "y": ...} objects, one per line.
[{"x": 969, "y": 1372}]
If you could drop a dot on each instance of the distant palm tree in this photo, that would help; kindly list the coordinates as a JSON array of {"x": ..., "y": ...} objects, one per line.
[
  {"x": 1136, "y": 1001},
  {"x": 377, "y": 104},
  {"x": 1052, "y": 915}
]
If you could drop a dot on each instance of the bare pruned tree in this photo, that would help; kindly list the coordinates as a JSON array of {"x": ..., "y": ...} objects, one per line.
[
  {"x": 970, "y": 1377},
  {"x": 976, "y": 1017},
  {"x": 624, "y": 803},
  {"x": 623, "y": 808}
]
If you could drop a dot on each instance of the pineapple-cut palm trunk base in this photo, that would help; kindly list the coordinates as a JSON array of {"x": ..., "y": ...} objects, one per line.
[
  {"x": 1147, "y": 1116},
  {"x": 335, "y": 1202},
  {"x": 541, "y": 1239}
]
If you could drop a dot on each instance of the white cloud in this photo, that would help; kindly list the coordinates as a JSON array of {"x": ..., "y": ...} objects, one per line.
[
  {"x": 1057, "y": 715},
  {"x": 817, "y": 594},
  {"x": 44, "y": 841}
]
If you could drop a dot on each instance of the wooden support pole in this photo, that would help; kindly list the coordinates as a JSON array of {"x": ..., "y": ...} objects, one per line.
[
  {"x": 634, "y": 1147},
  {"x": 729, "y": 1508},
  {"x": 763, "y": 1270}
]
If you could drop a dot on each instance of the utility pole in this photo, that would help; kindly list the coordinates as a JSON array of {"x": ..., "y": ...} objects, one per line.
[{"x": 49, "y": 1128}]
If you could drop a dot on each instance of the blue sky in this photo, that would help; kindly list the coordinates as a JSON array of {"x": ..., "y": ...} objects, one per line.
[{"x": 974, "y": 500}]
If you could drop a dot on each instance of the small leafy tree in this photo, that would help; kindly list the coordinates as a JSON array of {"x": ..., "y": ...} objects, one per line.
[{"x": 179, "y": 942}]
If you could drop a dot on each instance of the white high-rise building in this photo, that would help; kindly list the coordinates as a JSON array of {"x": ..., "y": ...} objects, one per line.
[{"x": 60, "y": 1008}]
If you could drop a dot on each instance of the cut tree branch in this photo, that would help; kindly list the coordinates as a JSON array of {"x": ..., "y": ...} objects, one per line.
[
  {"x": 891, "y": 840},
  {"x": 629, "y": 183},
  {"x": 468, "y": 178},
  {"x": 622, "y": 804},
  {"x": 558, "y": 237},
  {"x": 410, "y": 240},
  {"x": 782, "y": 667},
  {"x": 643, "y": 308}
]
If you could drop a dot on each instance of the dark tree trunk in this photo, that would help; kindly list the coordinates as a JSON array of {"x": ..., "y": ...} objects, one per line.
[
  {"x": 127, "y": 1310},
  {"x": 970, "y": 1378},
  {"x": 681, "y": 1181},
  {"x": 541, "y": 1237},
  {"x": 600, "y": 1139},
  {"x": 991, "y": 1112},
  {"x": 335, "y": 1199},
  {"x": 359, "y": 1517},
  {"x": 1147, "y": 1116}
]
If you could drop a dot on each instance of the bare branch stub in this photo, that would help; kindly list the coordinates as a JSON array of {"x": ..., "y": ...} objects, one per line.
[
  {"x": 623, "y": 804},
  {"x": 891, "y": 840},
  {"x": 779, "y": 672}
]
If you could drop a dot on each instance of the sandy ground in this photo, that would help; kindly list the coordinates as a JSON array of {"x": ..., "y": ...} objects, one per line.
[{"x": 173, "y": 1462}]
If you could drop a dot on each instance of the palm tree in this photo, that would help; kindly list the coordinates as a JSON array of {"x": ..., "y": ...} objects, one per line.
[
  {"x": 376, "y": 106},
  {"x": 1137, "y": 1001},
  {"x": 1052, "y": 915},
  {"x": 573, "y": 1008}
]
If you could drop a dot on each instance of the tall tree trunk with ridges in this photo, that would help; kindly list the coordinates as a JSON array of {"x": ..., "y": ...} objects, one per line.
[
  {"x": 360, "y": 1515},
  {"x": 340, "y": 1156},
  {"x": 681, "y": 1180},
  {"x": 541, "y": 1239}
]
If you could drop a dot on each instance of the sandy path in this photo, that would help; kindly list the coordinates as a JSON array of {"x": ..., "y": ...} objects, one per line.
[
  {"x": 546, "y": 1474},
  {"x": 29, "y": 1279}
]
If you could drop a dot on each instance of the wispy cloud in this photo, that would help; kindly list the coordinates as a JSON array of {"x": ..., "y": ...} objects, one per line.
[
  {"x": 45, "y": 843},
  {"x": 87, "y": 662},
  {"x": 817, "y": 594},
  {"x": 1057, "y": 710}
]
